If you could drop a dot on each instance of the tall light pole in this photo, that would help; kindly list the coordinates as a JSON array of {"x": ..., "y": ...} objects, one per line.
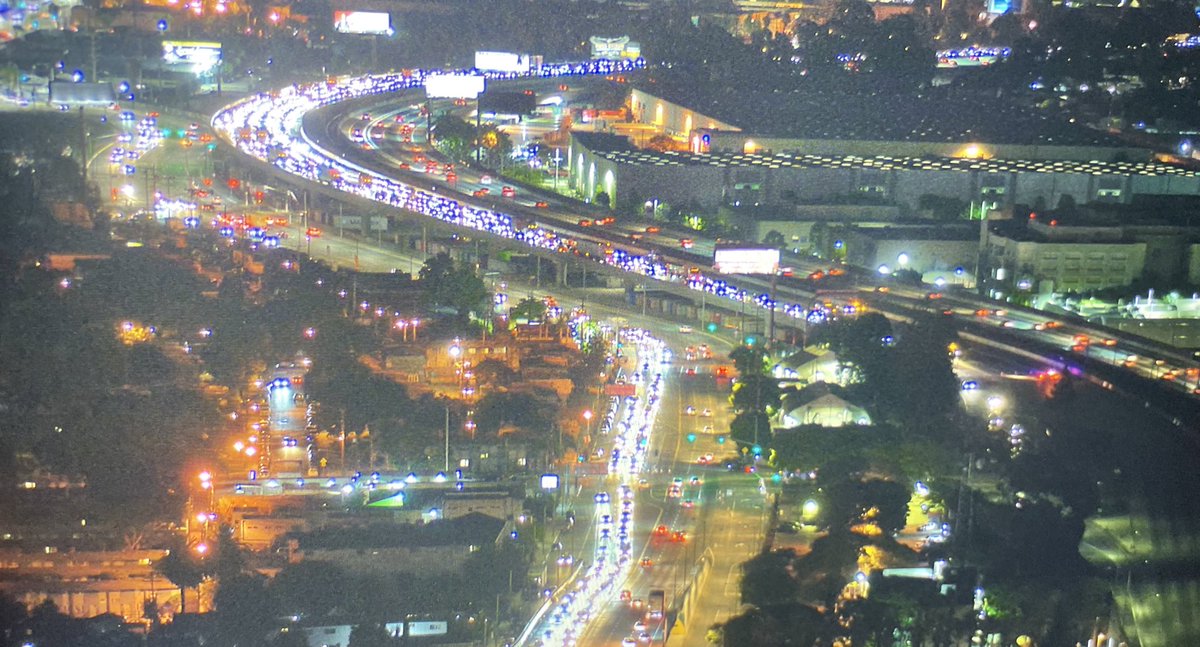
[{"x": 557, "y": 159}]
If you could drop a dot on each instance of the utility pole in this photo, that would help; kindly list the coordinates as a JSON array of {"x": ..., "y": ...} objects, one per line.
[
  {"x": 342, "y": 435},
  {"x": 447, "y": 465}
]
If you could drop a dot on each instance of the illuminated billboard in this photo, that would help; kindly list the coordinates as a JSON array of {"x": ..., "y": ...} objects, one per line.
[
  {"x": 454, "y": 86},
  {"x": 363, "y": 22},
  {"x": 503, "y": 62},
  {"x": 201, "y": 57},
  {"x": 614, "y": 49},
  {"x": 972, "y": 56},
  {"x": 745, "y": 260}
]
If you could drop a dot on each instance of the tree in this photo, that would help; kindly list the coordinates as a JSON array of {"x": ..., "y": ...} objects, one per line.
[
  {"x": 765, "y": 579},
  {"x": 453, "y": 136},
  {"x": 496, "y": 146},
  {"x": 529, "y": 309},
  {"x": 450, "y": 285},
  {"x": 244, "y": 611},
  {"x": 750, "y": 427},
  {"x": 291, "y": 637},
  {"x": 182, "y": 570},
  {"x": 370, "y": 635}
]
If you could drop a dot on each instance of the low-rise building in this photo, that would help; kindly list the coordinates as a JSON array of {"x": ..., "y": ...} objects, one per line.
[
  {"x": 436, "y": 548},
  {"x": 84, "y": 584}
]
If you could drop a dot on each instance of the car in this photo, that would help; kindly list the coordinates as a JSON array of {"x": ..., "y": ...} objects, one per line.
[
  {"x": 637, "y": 603},
  {"x": 652, "y": 229},
  {"x": 602, "y": 497},
  {"x": 688, "y": 503},
  {"x": 313, "y": 232},
  {"x": 685, "y": 330},
  {"x": 661, "y": 531},
  {"x": 970, "y": 385},
  {"x": 646, "y": 562},
  {"x": 485, "y": 179},
  {"x": 678, "y": 536},
  {"x": 707, "y": 413},
  {"x": 686, "y": 243},
  {"x": 541, "y": 205},
  {"x": 628, "y": 642},
  {"x": 690, "y": 410},
  {"x": 481, "y": 193},
  {"x": 626, "y": 595},
  {"x": 508, "y": 192},
  {"x": 639, "y": 626}
]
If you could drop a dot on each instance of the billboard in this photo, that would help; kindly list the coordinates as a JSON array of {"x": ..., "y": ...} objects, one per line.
[
  {"x": 503, "y": 62},
  {"x": 362, "y": 22},
  {"x": 454, "y": 86},
  {"x": 201, "y": 56},
  {"x": 972, "y": 56},
  {"x": 614, "y": 49},
  {"x": 745, "y": 260},
  {"x": 620, "y": 390},
  {"x": 427, "y": 628},
  {"x": 81, "y": 93}
]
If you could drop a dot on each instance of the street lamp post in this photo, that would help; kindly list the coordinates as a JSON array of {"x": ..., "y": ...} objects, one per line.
[{"x": 557, "y": 159}]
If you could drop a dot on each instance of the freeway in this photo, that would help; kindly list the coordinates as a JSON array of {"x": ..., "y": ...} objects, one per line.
[{"x": 376, "y": 141}]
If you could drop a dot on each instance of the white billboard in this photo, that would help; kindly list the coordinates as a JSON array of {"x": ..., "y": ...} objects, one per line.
[
  {"x": 362, "y": 22},
  {"x": 201, "y": 56},
  {"x": 454, "y": 86},
  {"x": 503, "y": 62},
  {"x": 428, "y": 628},
  {"x": 746, "y": 260}
]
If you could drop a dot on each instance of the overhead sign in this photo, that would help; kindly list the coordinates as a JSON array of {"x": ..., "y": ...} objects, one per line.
[
  {"x": 746, "y": 260},
  {"x": 348, "y": 222},
  {"x": 201, "y": 56},
  {"x": 378, "y": 23},
  {"x": 503, "y": 62},
  {"x": 454, "y": 86},
  {"x": 549, "y": 481}
]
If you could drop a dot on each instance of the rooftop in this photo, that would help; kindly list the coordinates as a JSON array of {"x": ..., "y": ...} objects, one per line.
[
  {"x": 470, "y": 530},
  {"x": 623, "y": 154},
  {"x": 929, "y": 116}
]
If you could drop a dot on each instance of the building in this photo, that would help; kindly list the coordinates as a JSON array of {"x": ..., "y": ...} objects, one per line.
[
  {"x": 85, "y": 584},
  {"x": 945, "y": 254},
  {"x": 819, "y": 405},
  {"x": 870, "y": 177},
  {"x": 1091, "y": 248},
  {"x": 436, "y": 548}
]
